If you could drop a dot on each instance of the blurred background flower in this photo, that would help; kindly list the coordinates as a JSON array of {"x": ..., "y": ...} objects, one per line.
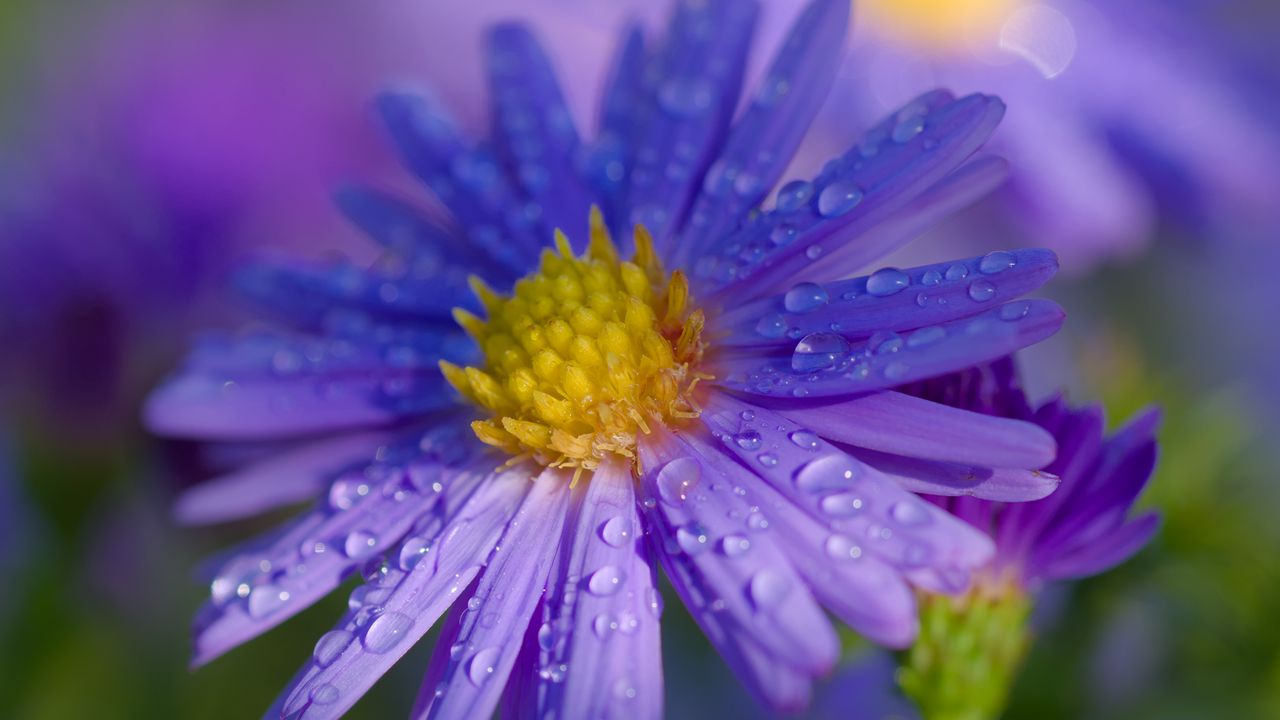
[{"x": 144, "y": 145}]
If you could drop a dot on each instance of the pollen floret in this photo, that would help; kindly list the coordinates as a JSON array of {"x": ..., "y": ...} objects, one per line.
[{"x": 585, "y": 353}]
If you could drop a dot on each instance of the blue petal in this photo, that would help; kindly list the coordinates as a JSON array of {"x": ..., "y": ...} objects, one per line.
[
  {"x": 887, "y": 360},
  {"x": 606, "y": 162},
  {"x": 696, "y": 79},
  {"x": 853, "y": 193},
  {"x": 889, "y": 300},
  {"x": 534, "y": 132},
  {"x": 762, "y": 141},
  {"x": 469, "y": 181}
]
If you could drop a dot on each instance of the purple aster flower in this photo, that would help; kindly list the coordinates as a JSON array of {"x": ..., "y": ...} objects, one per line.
[
  {"x": 719, "y": 404},
  {"x": 1082, "y": 529}
]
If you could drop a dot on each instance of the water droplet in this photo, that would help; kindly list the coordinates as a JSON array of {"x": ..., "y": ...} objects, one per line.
[
  {"x": 996, "y": 262},
  {"x": 813, "y": 252},
  {"x": 772, "y": 326},
  {"x": 1014, "y": 311},
  {"x": 747, "y": 440},
  {"x": 767, "y": 589},
  {"x": 603, "y": 626},
  {"x": 360, "y": 544},
  {"x": 896, "y": 370},
  {"x": 884, "y": 342},
  {"x": 842, "y": 504},
  {"x": 628, "y": 623},
  {"x": 757, "y": 522},
  {"x": 325, "y": 694},
  {"x": 804, "y": 439},
  {"x": 931, "y": 277},
  {"x": 925, "y": 336},
  {"x": 887, "y": 281},
  {"x": 266, "y": 599},
  {"x": 908, "y": 128},
  {"x": 909, "y": 512},
  {"x": 794, "y": 195},
  {"x": 838, "y": 198},
  {"x": 330, "y": 646},
  {"x": 474, "y": 604},
  {"x": 783, "y": 235},
  {"x": 616, "y": 531},
  {"x": 653, "y": 600},
  {"x": 767, "y": 459},
  {"x": 548, "y": 638},
  {"x": 677, "y": 479},
  {"x": 819, "y": 351},
  {"x": 345, "y": 492},
  {"x": 624, "y": 690},
  {"x": 386, "y": 631},
  {"x": 692, "y": 538},
  {"x": 981, "y": 291},
  {"x": 805, "y": 297},
  {"x": 829, "y": 472},
  {"x": 605, "y": 581},
  {"x": 734, "y": 545},
  {"x": 413, "y": 551},
  {"x": 839, "y": 547},
  {"x": 481, "y": 666}
]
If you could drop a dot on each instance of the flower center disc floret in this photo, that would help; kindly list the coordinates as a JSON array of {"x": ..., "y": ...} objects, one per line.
[{"x": 584, "y": 354}]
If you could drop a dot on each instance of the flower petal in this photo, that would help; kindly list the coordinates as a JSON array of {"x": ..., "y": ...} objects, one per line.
[
  {"x": 896, "y": 162},
  {"x": 889, "y": 300},
  {"x": 949, "y": 479},
  {"x": 852, "y": 498},
  {"x": 468, "y": 181},
  {"x": 742, "y": 595},
  {"x": 899, "y": 424},
  {"x": 762, "y": 141},
  {"x": 888, "y": 360},
  {"x": 254, "y": 591},
  {"x": 697, "y": 76},
  {"x": 1102, "y": 553},
  {"x": 609, "y": 642},
  {"x": 534, "y": 131},
  {"x": 279, "y": 480},
  {"x": 471, "y": 666},
  {"x": 607, "y": 161},
  {"x": 435, "y": 565}
]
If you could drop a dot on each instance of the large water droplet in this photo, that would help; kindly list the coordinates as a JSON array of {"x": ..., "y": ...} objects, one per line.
[
  {"x": 907, "y": 128},
  {"x": 677, "y": 479},
  {"x": 653, "y": 601},
  {"x": 482, "y": 665},
  {"x": 330, "y": 646},
  {"x": 887, "y": 281},
  {"x": 413, "y": 551},
  {"x": 783, "y": 235},
  {"x": 767, "y": 589},
  {"x": 772, "y": 326},
  {"x": 386, "y": 631},
  {"x": 805, "y": 297},
  {"x": 360, "y": 544},
  {"x": 606, "y": 581},
  {"x": 841, "y": 504},
  {"x": 996, "y": 262},
  {"x": 981, "y": 291},
  {"x": 838, "y": 198},
  {"x": 767, "y": 459},
  {"x": 957, "y": 272},
  {"x": 747, "y": 439},
  {"x": 794, "y": 195},
  {"x": 616, "y": 531},
  {"x": 734, "y": 545},
  {"x": 692, "y": 538},
  {"x": 829, "y": 472},
  {"x": 266, "y": 599},
  {"x": 325, "y": 694},
  {"x": 931, "y": 277},
  {"x": 909, "y": 512},
  {"x": 804, "y": 439},
  {"x": 839, "y": 547},
  {"x": 603, "y": 626},
  {"x": 1014, "y": 311},
  {"x": 819, "y": 351},
  {"x": 548, "y": 638},
  {"x": 345, "y": 492}
]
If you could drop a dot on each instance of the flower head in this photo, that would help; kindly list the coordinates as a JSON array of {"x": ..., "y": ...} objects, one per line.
[{"x": 677, "y": 378}]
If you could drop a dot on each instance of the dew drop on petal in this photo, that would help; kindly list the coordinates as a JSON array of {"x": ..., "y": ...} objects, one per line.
[
  {"x": 804, "y": 439},
  {"x": 829, "y": 472},
  {"x": 360, "y": 544},
  {"x": 767, "y": 459},
  {"x": 692, "y": 538},
  {"x": 957, "y": 272},
  {"x": 266, "y": 599},
  {"x": 981, "y": 291},
  {"x": 819, "y": 351},
  {"x": 677, "y": 479},
  {"x": 747, "y": 439},
  {"x": 805, "y": 297},
  {"x": 386, "y": 631},
  {"x": 841, "y": 504},
  {"x": 481, "y": 666},
  {"x": 1014, "y": 311},
  {"x": 772, "y": 326},
  {"x": 616, "y": 531},
  {"x": 887, "y": 281},
  {"x": 605, "y": 581},
  {"x": 925, "y": 336},
  {"x": 325, "y": 694},
  {"x": 794, "y": 195},
  {"x": 838, "y": 198},
  {"x": 996, "y": 262},
  {"x": 840, "y": 547},
  {"x": 734, "y": 545},
  {"x": 909, "y": 512},
  {"x": 767, "y": 589},
  {"x": 330, "y": 646}
]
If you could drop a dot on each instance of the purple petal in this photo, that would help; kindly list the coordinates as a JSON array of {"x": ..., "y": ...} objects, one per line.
[
  {"x": 741, "y": 588},
  {"x": 852, "y": 498},
  {"x": 256, "y": 590},
  {"x": 793, "y": 89},
  {"x": 889, "y": 300},
  {"x": 949, "y": 479},
  {"x": 697, "y": 76},
  {"x": 471, "y": 667},
  {"x": 435, "y": 564},
  {"x": 897, "y": 161},
  {"x": 468, "y": 181},
  {"x": 280, "y": 480},
  {"x": 892, "y": 422},
  {"x": 609, "y": 642},
  {"x": 1102, "y": 553},
  {"x": 887, "y": 360},
  {"x": 607, "y": 162},
  {"x": 534, "y": 131}
]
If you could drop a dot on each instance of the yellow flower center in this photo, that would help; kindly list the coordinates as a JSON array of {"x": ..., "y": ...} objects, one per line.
[
  {"x": 584, "y": 354},
  {"x": 936, "y": 24}
]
